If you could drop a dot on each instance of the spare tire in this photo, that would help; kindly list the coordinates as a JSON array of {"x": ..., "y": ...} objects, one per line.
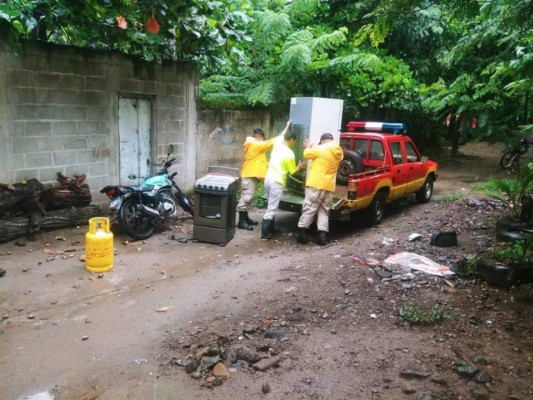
[{"x": 351, "y": 164}]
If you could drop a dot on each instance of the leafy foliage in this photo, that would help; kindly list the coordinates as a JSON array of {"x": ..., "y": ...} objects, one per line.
[
  {"x": 511, "y": 191},
  {"x": 417, "y": 315},
  {"x": 198, "y": 30}
]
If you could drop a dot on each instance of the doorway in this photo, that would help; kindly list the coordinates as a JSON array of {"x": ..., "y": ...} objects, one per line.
[{"x": 135, "y": 127}]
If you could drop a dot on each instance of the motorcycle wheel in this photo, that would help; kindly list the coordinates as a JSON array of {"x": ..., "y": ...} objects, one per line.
[
  {"x": 184, "y": 201},
  {"x": 135, "y": 223},
  {"x": 508, "y": 159},
  {"x": 169, "y": 206}
]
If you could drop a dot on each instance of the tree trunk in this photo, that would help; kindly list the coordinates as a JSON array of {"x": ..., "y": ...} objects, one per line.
[
  {"x": 21, "y": 226},
  {"x": 66, "y": 197},
  {"x": 12, "y": 201},
  {"x": 454, "y": 134}
]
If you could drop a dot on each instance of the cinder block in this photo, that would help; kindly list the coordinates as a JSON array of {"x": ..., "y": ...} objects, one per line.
[
  {"x": 64, "y": 157},
  {"x": 19, "y": 77},
  {"x": 38, "y": 128},
  {"x": 37, "y": 160},
  {"x": 22, "y": 112},
  {"x": 63, "y": 128},
  {"x": 85, "y": 156},
  {"x": 95, "y": 83},
  {"x": 75, "y": 143},
  {"x": 49, "y": 174},
  {"x": 61, "y": 112},
  {"x": 46, "y": 79},
  {"x": 17, "y": 129},
  {"x": 98, "y": 112},
  {"x": 88, "y": 127},
  {"x": 78, "y": 169},
  {"x": 73, "y": 82},
  {"x": 93, "y": 98},
  {"x": 65, "y": 97},
  {"x": 99, "y": 169}
]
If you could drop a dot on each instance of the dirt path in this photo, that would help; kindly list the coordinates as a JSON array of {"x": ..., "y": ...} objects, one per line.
[{"x": 339, "y": 336}]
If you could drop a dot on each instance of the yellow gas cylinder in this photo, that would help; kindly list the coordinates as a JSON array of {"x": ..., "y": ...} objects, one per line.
[{"x": 99, "y": 246}]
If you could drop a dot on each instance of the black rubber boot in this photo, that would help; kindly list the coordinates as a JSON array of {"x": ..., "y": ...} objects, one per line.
[
  {"x": 248, "y": 220},
  {"x": 242, "y": 224},
  {"x": 322, "y": 239},
  {"x": 266, "y": 229},
  {"x": 302, "y": 236},
  {"x": 274, "y": 230}
]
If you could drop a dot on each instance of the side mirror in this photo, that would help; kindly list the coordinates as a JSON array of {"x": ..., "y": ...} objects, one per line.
[
  {"x": 132, "y": 176},
  {"x": 423, "y": 160}
]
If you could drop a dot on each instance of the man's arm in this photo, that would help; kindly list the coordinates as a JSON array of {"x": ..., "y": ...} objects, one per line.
[{"x": 286, "y": 129}]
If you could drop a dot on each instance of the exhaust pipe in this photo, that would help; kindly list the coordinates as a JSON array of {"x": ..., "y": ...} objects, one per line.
[{"x": 150, "y": 211}]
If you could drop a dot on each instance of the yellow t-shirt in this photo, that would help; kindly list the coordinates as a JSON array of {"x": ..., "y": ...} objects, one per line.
[
  {"x": 255, "y": 162},
  {"x": 326, "y": 159},
  {"x": 282, "y": 162}
]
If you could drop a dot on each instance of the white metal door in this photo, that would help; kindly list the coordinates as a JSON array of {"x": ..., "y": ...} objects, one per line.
[{"x": 134, "y": 134}]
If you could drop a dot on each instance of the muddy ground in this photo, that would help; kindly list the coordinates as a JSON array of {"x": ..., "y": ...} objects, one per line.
[{"x": 323, "y": 322}]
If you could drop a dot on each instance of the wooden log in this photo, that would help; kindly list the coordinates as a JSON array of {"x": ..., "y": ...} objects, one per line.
[
  {"x": 66, "y": 197},
  {"x": 11, "y": 201},
  {"x": 20, "y": 226}
]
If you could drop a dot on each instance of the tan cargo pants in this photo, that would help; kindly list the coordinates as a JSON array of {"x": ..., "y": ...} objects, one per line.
[
  {"x": 248, "y": 186},
  {"x": 317, "y": 203}
]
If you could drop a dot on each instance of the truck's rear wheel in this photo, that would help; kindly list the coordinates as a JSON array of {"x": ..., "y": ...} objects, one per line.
[
  {"x": 425, "y": 193},
  {"x": 352, "y": 163},
  {"x": 376, "y": 210}
]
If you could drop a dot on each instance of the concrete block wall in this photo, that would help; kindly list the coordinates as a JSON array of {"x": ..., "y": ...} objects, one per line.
[
  {"x": 59, "y": 113},
  {"x": 221, "y": 134}
]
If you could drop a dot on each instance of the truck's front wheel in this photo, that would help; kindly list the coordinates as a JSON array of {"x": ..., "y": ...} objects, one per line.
[
  {"x": 376, "y": 210},
  {"x": 425, "y": 193}
]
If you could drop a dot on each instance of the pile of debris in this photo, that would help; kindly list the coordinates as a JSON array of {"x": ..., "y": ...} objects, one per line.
[{"x": 255, "y": 349}]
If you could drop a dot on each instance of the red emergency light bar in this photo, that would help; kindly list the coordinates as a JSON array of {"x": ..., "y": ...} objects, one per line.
[{"x": 382, "y": 127}]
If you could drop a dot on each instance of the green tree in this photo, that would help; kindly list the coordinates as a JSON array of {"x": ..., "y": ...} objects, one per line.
[{"x": 185, "y": 30}]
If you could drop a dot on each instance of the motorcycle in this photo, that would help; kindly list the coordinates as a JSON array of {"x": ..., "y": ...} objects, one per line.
[
  {"x": 512, "y": 155},
  {"x": 139, "y": 207}
]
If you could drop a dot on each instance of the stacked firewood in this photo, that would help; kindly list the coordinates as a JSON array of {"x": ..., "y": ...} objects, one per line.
[{"x": 26, "y": 207}]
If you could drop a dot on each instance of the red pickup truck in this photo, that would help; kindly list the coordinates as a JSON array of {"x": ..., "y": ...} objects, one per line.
[{"x": 381, "y": 164}]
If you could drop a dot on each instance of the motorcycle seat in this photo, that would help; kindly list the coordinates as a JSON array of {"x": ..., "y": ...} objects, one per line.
[{"x": 144, "y": 188}]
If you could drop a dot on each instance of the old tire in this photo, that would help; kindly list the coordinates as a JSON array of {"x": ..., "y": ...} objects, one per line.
[
  {"x": 376, "y": 210},
  {"x": 425, "y": 193},
  {"x": 352, "y": 163},
  {"x": 135, "y": 223}
]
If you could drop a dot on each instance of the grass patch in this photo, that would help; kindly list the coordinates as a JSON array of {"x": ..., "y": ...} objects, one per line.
[
  {"x": 452, "y": 197},
  {"x": 417, "y": 315}
]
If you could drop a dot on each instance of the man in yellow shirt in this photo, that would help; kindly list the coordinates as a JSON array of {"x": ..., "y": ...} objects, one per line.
[
  {"x": 282, "y": 163},
  {"x": 253, "y": 170},
  {"x": 319, "y": 186}
]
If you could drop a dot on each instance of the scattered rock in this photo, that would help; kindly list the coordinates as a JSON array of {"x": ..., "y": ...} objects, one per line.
[
  {"x": 407, "y": 387},
  {"x": 208, "y": 362},
  {"x": 85, "y": 337},
  {"x": 20, "y": 242},
  {"x": 413, "y": 374},
  {"x": 220, "y": 371},
  {"x": 265, "y": 388},
  {"x": 196, "y": 375},
  {"x": 267, "y": 363},
  {"x": 482, "y": 377},
  {"x": 246, "y": 353},
  {"x": 480, "y": 394}
]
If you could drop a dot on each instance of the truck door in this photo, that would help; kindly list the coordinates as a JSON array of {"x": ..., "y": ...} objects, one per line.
[
  {"x": 399, "y": 170},
  {"x": 416, "y": 175}
]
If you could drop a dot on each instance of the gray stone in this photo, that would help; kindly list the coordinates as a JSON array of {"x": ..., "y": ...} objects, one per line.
[
  {"x": 274, "y": 332},
  {"x": 267, "y": 363},
  {"x": 230, "y": 356},
  {"x": 482, "y": 377},
  {"x": 413, "y": 374},
  {"x": 208, "y": 362},
  {"x": 408, "y": 388},
  {"x": 480, "y": 394},
  {"x": 246, "y": 353},
  {"x": 467, "y": 371}
]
